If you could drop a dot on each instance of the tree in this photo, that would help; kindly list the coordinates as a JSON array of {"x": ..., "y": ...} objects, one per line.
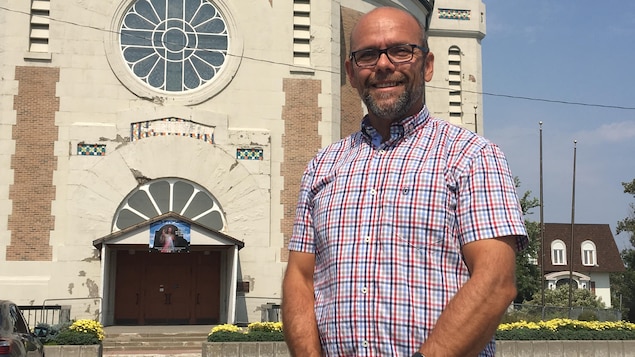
[
  {"x": 528, "y": 279},
  {"x": 623, "y": 284}
]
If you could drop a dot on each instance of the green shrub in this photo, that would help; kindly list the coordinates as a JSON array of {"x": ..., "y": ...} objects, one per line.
[
  {"x": 71, "y": 337},
  {"x": 227, "y": 336},
  {"x": 80, "y": 332},
  {"x": 587, "y": 316}
]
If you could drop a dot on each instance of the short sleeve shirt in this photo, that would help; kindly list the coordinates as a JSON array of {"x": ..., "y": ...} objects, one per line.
[{"x": 386, "y": 222}]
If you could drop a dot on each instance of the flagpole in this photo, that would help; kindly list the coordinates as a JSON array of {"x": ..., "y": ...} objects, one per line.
[
  {"x": 542, "y": 233},
  {"x": 572, "y": 230}
]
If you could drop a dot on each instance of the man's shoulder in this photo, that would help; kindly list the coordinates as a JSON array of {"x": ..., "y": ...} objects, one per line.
[{"x": 454, "y": 134}]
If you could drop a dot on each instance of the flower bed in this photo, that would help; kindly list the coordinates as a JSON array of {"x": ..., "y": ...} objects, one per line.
[
  {"x": 556, "y": 329},
  {"x": 565, "y": 329},
  {"x": 80, "y": 332},
  {"x": 256, "y": 331},
  {"x": 555, "y": 338}
]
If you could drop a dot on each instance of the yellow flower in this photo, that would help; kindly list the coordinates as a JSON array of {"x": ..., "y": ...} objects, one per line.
[
  {"x": 556, "y": 324},
  {"x": 89, "y": 326},
  {"x": 265, "y": 326},
  {"x": 226, "y": 328}
]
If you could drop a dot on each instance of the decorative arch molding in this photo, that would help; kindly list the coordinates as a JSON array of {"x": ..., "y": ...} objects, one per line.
[
  {"x": 242, "y": 193},
  {"x": 165, "y": 195}
]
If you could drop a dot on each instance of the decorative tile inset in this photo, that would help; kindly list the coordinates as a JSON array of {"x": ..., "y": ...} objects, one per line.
[
  {"x": 249, "y": 154},
  {"x": 91, "y": 149},
  {"x": 171, "y": 126},
  {"x": 453, "y": 14}
]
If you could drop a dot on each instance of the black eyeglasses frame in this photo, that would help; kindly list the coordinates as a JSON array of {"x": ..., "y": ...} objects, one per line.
[{"x": 381, "y": 51}]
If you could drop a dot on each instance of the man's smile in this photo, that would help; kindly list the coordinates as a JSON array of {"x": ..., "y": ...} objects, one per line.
[{"x": 386, "y": 84}]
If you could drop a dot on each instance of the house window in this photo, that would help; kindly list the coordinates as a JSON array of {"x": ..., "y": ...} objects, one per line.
[
  {"x": 588, "y": 253},
  {"x": 558, "y": 253}
]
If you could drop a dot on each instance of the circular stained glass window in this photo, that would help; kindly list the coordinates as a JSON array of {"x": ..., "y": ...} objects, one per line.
[{"x": 174, "y": 45}]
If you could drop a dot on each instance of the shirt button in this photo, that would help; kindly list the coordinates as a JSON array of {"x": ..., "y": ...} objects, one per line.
[
  {"x": 364, "y": 290},
  {"x": 382, "y": 152},
  {"x": 367, "y": 239},
  {"x": 373, "y": 191},
  {"x": 365, "y": 344}
]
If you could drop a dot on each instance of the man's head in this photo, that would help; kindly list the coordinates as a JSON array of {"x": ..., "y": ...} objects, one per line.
[{"x": 392, "y": 88}]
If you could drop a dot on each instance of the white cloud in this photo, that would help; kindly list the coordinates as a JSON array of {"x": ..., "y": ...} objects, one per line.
[{"x": 611, "y": 133}]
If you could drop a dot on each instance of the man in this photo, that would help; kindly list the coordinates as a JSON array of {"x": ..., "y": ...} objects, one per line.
[{"x": 406, "y": 232}]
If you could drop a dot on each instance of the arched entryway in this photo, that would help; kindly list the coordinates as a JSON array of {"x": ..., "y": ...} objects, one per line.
[{"x": 144, "y": 285}]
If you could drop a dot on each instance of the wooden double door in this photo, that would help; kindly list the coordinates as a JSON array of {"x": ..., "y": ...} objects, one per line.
[{"x": 167, "y": 288}]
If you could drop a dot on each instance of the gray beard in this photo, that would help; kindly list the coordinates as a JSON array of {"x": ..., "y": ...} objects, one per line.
[{"x": 395, "y": 111}]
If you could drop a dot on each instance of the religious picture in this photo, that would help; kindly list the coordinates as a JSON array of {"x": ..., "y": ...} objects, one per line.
[{"x": 170, "y": 236}]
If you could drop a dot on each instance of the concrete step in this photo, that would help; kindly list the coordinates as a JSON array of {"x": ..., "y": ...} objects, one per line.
[
  {"x": 178, "y": 344},
  {"x": 156, "y": 353}
]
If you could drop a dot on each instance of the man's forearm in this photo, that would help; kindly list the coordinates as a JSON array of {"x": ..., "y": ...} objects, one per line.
[
  {"x": 470, "y": 319},
  {"x": 299, "y": 323},
  {"x": 468, "y": 322}
]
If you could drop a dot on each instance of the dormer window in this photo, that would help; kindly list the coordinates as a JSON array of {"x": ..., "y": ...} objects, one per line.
[
  {"x": 558, "y": 253},
  {"x": 589, "y": 253}
]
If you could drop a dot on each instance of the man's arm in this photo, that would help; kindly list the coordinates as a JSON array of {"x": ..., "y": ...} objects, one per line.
[
  {"x": 298, "y": 313},
  {"x": 472, "y": 316}
]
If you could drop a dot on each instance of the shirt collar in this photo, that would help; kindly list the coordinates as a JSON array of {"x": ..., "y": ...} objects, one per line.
[{"x": 402, "y": 128}]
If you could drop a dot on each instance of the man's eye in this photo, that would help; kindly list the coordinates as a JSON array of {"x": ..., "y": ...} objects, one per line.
[
  {"x": 366, "y": 55},
  {"x": 400, "y": 51}
]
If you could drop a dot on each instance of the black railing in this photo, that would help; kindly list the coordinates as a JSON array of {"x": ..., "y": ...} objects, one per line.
[{"x": 47, "y": 314}]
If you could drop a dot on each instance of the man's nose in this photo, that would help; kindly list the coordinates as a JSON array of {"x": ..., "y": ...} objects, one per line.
[{"x": 384, "y": 62}]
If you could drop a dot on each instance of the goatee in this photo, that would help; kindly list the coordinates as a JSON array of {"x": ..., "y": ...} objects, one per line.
[{"x": 395, "y": 110}]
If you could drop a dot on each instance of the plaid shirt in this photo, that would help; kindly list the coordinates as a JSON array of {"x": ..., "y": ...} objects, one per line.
[{"x": 387, "y": 221}]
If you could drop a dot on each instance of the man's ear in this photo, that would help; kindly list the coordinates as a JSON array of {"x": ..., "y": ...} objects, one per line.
[
  {"x": 428, "y": 67},
  {"x": 349, "y": 72}
]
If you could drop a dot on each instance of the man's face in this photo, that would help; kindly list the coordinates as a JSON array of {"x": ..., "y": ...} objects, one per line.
[{"x": 390, "y": 91}]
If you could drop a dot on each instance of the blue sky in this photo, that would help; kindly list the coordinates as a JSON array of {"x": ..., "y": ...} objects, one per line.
[{"x": 570, "y": 51}]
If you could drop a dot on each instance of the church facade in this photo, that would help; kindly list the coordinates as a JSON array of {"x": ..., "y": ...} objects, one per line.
[{"x": 152, "y": 149}]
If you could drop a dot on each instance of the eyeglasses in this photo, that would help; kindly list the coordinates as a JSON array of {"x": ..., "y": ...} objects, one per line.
[{"x": 396, "y": 54}]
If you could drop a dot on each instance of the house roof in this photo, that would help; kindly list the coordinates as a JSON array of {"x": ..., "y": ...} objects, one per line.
[
  {"x": 97, "y": 243},
  {"x": 608, "y": 255}
]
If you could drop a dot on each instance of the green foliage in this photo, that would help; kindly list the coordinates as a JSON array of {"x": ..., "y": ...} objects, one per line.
[
  {"x": 265, "y": 336},
  {"x": 529, "y": 334},
  {"x": 227, "y": 336},
  {"x": 588, "y": 315},
  {"x": 623, "y": 284},
  {"x": 527, "y": 270},
  {"x": 80, "y": 332},
  {"x": 72, "y": 337},
  {"x": 560, "y": 297}
]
